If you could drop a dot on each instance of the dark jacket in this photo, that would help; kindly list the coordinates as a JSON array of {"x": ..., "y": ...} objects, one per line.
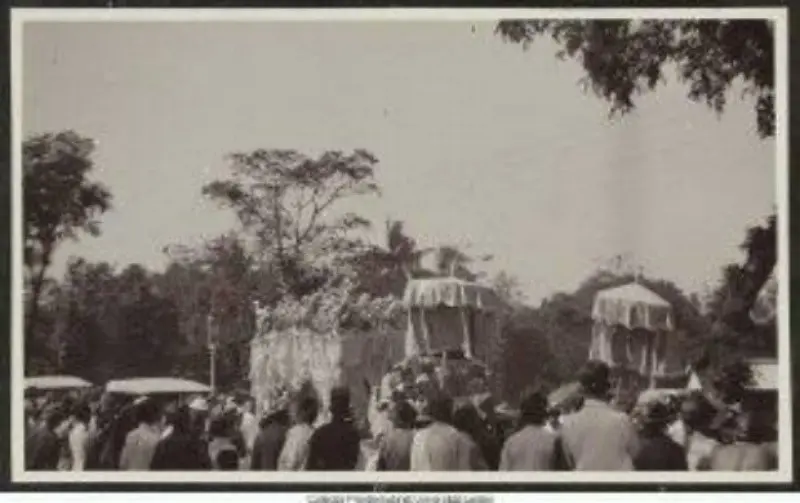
[
  {"x": 181, "y": 451},
  {"x": 268, "y": 445},
  {"x": 659, "y": 453},
  {"x": 43, "y": 450},
  {"x": 395, "y": 450},
  {"x": 334, "y": 447}
]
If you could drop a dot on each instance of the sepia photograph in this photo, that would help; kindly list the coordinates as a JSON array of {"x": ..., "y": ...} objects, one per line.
[{"x": 522, "y": 245}]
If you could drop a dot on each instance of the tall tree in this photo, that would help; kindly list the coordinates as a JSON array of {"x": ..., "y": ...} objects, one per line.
[
  {"x": 730, "y": 304},
  {"x": 385, "y": 270},
  {"x": 87, "y": 312},
  {"x": 60, "y": 202},
  {"x": 508, "y": 288},
  {"x": 214, "y": 287},
  {"x": 623, "y": 58},
  {"x": 452, "y": 261},
  {"x": 285, "y": 199},
  {"x": 148, "y": 326}
]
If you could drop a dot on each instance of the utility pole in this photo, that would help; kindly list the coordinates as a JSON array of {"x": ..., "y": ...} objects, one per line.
[{"x": 212, "y": 353}]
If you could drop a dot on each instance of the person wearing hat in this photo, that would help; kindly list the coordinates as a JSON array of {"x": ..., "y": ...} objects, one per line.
[
  {"x": 140, "y": 444},
  {"x": 199, "y": 416},
  {"x": 693, "y": 430},
  {"x": 271, "y": 436},
  {"x": 221, "y": 441},
  {"x": 440, "y": 446},
  {"x": 533, "y": 447},
  {"x": 78, "y": 437},
  {"x": 394, "y": 451},
  {"x": 43, "y": 447},
  {"x": 248, "y": 425},
  {"x": 598, "y": 437},
  {"x": 336, "y": 445},
  {"x": 294, "y": 455},
  {"x": 657, "y": 451},
  {"x": 743, "y": 449},
  {"x": 183, "y": 449}
]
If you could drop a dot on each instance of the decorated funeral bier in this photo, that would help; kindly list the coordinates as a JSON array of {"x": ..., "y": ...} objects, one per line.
[
  {"x": 334, "y": 337},
  {"x": 330, "y": 338}
]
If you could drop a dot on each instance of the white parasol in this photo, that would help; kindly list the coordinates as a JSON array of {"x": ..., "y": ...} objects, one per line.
[
  {"x": 155, "y": 385},
  {"x": 56, "y": 382}
]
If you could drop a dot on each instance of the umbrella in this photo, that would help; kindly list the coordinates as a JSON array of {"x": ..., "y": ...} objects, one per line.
[
  {"x": 56, "y": 382},
  {"x": 155, "y": 385}
]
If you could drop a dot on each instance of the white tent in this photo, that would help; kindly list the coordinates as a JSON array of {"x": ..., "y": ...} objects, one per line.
[
  {"x": 446, "y": 314},
  {"x": 155, "y": 385},
  {"x": 56, "y": 382},
  {"x": 631, "y": 326}
]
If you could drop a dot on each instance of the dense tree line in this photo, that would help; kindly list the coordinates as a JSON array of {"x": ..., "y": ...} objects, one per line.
[
  {"x": 98, "y": 322},
  {"x": 101, "y": 323}
]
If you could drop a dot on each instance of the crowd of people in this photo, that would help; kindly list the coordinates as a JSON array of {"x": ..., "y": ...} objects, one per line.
[{"x": 431, "y": 432}]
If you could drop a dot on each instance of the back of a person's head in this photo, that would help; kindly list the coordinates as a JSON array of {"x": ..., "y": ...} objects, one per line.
[
  {"x": 180, "y": 419},
  {"x": 148, "y": 412},
  {"x": 219, "y": 427},
  {"x": 403, "y": 415},
  {"x": 440, "y": 408},
  {"x": 340, "y": 401},
  {"x": 595, "y": 378},
  {"x": 228, "y": 460},
  {"x": 82, "y": 412},
  {"x": 696, "y": 411},
  {"x": 466, "y": 418},
  {"x": 307, "y": 410},
  {"x": 533, "y": 407},
  {"x": 54, "y": 417}
]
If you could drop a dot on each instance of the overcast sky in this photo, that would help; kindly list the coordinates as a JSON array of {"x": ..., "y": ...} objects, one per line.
[{"x": 479, "y": 141}]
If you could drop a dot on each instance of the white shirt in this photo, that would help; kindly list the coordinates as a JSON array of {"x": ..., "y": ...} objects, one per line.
[
  {"x": 294, "y": 454},
  {"x": 440, "y": 447},
  {"x": 249, "y": 429},
  {"x": 78, "y": 443}
]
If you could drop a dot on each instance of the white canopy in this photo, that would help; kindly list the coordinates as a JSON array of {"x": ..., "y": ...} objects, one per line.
[
  {"x": 446, "y": 314},
  {"x": 155, "y": 385},
  {"x": 634, "y": 307},
  {"x": 450, "y": 292},
  {"x": 56, "y": 382}
]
